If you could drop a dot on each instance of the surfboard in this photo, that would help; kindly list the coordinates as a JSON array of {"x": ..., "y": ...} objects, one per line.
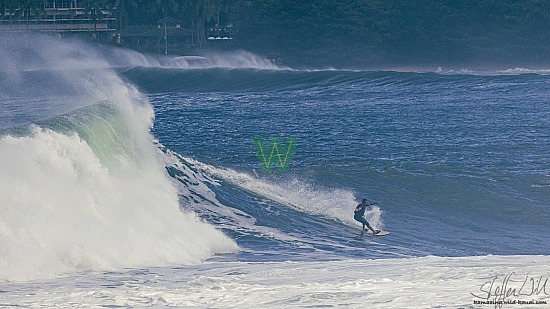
[{"x": 382, "y": 233}]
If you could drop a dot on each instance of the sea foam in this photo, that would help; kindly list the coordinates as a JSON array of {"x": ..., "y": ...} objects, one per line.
[{"x": 85, "y": 189}]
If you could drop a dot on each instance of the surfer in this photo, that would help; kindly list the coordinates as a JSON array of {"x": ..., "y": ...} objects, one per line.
[{"x": 359, "y": 214}]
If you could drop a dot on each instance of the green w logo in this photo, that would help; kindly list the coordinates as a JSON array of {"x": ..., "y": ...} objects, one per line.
[{"x": 274, "y": 153}]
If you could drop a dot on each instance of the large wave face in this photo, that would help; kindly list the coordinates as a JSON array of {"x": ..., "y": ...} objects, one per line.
[
  {"x": 82, "y": 186},
  {"x": 458, "y": 162}
]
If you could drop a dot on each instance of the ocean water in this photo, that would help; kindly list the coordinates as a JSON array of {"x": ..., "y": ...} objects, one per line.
[{"x": 129, "y": 180}]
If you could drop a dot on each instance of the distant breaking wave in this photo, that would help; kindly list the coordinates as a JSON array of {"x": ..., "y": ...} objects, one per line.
[
  {"x": 161, "y": 79},
  {"x": 239, "y": 59}
]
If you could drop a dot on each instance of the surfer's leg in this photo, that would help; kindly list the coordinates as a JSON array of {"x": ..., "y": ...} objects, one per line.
[{"x": 365, "y": 222}]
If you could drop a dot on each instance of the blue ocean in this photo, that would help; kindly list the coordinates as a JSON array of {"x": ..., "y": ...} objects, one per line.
[
  {"x": 458, "y": 162},
  {"x": 125, "y": 174}
]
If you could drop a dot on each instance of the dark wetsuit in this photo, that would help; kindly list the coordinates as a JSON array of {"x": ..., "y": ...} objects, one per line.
[{"x": 359, "y": 214}]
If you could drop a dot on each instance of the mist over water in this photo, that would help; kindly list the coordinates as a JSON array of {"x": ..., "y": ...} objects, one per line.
[
  {"x": 54, "y": 76},
  {"x": 236, "y": 59}
]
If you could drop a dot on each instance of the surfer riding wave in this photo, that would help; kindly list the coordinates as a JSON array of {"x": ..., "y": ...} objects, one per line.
[{"x": 359, "y": 215}]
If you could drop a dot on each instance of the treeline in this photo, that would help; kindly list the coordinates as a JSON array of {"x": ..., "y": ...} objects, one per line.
[
  {"x": 356, "y": 31},
  {"x": 371, "y": 32}
]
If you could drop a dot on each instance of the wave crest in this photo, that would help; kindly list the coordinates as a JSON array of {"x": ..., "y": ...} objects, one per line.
[{"x": 87, "y": 190}]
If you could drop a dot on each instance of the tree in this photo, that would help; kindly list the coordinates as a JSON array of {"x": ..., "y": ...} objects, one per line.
[
  {"x": 95, "y": 9},
  {"x": 34, "y": 8},
  {"x": 165, "y": 6},
  {"x": 121, "y": 7},
  {"x": 12, "y": 8},
  {"x": 201, "y": 11}
]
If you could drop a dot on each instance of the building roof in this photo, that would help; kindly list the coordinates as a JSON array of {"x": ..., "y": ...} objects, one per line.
[
  {"x": 155, "y": 31},
  {"x": 169, "y": 21}
]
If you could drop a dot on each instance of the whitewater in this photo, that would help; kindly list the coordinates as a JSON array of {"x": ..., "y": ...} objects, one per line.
[{"x": 131, "y": 180}]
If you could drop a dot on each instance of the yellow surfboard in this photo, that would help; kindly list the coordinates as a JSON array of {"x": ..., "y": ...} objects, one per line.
[{"x": 382, "y": 233}]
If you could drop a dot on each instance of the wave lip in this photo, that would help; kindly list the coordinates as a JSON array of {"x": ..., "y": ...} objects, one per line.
[
  {"x": 336, "y": 204},
  {"x": 237, "y": 59}
]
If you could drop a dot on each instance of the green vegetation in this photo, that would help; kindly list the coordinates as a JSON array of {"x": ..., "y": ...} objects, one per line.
[
  {"x": 371, "y": 32},
  {"x": 362, "y": 32}
]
